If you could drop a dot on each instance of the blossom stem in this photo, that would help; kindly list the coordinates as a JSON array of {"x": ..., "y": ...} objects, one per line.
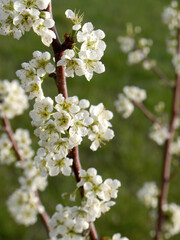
[
  {"x": 167, "y": 156},
  {"x": 10, "y": 134},
  {"x": 58, "y": 49},
  {"x": 162, "y": 76},
  {"x": 146, "y": 112}
]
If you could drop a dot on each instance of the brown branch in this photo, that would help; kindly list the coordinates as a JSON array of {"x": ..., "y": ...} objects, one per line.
[
  {"x": 162, "y": 76},
  {"x": 58, "y": 49},
  {"x": 11, "y": 138},
  {"x": 44, "y": 216},
  {"x": 146, "y": 112},
  {"x": 10, "y": 134},
  {"x": 167, "y": 155}
]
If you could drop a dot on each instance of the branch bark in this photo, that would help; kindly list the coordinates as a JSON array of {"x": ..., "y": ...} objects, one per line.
[
  {"x": 58, "y": 49},
  {"x": 8, "y": 129},
  {"x": 167, "y": 156}
]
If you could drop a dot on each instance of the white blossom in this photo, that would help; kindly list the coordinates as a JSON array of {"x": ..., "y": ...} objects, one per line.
[
  {"x": 58, "y": 165},
  {"x": 99, "y": 130},
  {"x": 62, "y": 120},
  {"x": 42, "y": 109},
  {"x": 171, "y": 15},
  {"x": 148, "y": 194},
  {"x": 75, "y": 18},
  {"x": 41, "y": 28},
  {"x": 136, "y": 56},
  {"x": 126, "y": 43},
  {"x": 134, "y": 93},
  {"x": 71, "y": 63},
  {"x": 32, "y": 73},
  {"x": 18, "y": 17},
  {"x": 159, "y": 133},
  {"x": 6, "y": 153},
  {"x": 13, "y": 99},
  {"x": 23, "y": 206},
  {"x": 117, "y": 236},
  {"x": 175, "y": 147},
  {"x": 171, "y": 224},
  {"x": 68, "y": 223},
  {"x": 124, "y": 106}
]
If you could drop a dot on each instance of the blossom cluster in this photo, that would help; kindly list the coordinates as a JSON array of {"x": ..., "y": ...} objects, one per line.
[
  {"x": 75, "y": 18},
  {"x": 171, "y": 17},
  {"x": 124, "y": 104},
  {"x": 6, "y": 151},
  {"x": 171, "y": 226},
  {"x": 13, "y": 100},
  {"x": 159, "y": 133},
  {"x": 175, "y": 147},
  {"x": 20, "y": 16},
  {"x": 23, "y": 141},
  {"x": 148, "y": 195},
  {"x": 117, "y": 236},
  {"x": 24, "y": 207},
  {"x": 137, "y": 49},
  {"x": 23, "y": 204},
  {"x": 68, "y": 223},
  {"x": 33, "y": 73},
  {"x": 63, "y": 126},
  {"x": 86, "y": 59}
]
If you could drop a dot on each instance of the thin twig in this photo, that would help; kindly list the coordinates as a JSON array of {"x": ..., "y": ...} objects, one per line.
[
  {"x": 146, "y": 112},
  {"x": 58, "y": 49},
  {"x": 11, "y": 137},
  {"x": 162, "y": 76},
  {"x": 10, "y": 134},
  {"x": 167, "y": 156}
]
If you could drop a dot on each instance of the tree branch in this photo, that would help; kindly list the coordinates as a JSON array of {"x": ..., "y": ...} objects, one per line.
[
  {"x": 162, "y": 76},
  {"x": 146, "y": 112},
  {"x": 11, "y": 138},
  {"x": 10, "y": 134},
  {"x": 167, "y": 155},
  {"x": 58, "y": 49}
]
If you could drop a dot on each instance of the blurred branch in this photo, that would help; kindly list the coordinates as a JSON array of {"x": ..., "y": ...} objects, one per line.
[
  {"x": 10, "y": 134},
  {"x": 146, "y": 112},
  {"x": 162, "y": 76},
  {"x": 167, "y": 156}
]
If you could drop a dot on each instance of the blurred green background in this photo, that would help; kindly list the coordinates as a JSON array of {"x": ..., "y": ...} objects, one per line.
[{"x": 131, "y": 156}]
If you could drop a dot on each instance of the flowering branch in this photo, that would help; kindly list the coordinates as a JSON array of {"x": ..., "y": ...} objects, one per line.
[
  {"x": 146, "y": 112},
  {"x": 9, "y": 131},
  {"x": 167, "y": 155},
  {"x": 58, "y": 49}
]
